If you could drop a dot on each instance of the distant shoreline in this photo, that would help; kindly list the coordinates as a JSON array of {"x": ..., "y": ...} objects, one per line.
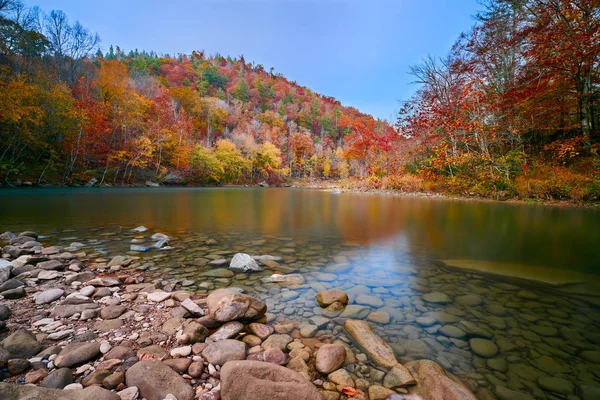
[{"x": 331, "y": 186}]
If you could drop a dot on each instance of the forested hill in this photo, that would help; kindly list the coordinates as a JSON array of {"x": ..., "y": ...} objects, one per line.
[
  {"x": 69, "y": 113},
  {"x": 512, "y": 111}
]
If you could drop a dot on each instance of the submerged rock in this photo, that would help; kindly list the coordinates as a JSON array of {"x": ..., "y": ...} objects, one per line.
[
  {"x": 379, "y": 351},
  {"x": 434, "y": 384}
]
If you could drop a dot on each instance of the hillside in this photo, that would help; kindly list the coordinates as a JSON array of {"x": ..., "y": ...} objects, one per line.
[
  {"x": 510, "y": 113},
  {"x": 68, "y": 116}
]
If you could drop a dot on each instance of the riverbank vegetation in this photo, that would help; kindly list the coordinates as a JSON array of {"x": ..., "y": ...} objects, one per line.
[{"x": 511, "y": 112}]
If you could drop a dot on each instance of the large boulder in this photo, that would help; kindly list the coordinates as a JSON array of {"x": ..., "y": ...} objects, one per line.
[
  {"x": 434, "y": 384},
  {"x": 225, "y": 305},
  {"x": 242, "y": 262},
  {"x": 255, "y": 380},
  {"x": 379, "y": 351},
  {"x": 21, "y": 344},
  {"x": 11, "y": 391},
  {"x": 156, "y": 380}
]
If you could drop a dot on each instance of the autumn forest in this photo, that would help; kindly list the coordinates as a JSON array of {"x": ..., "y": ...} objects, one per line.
[{"x": 511, "y": 112}]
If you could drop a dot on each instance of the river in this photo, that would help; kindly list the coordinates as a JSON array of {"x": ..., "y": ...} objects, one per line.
[{"x": 430, "y": 274}]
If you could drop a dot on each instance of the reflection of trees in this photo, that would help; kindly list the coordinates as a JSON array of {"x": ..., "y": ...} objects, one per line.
[{"x": 440, "y": 228}]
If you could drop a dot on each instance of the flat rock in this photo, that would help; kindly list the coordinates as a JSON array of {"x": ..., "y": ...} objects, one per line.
[
  {"x": 220, "y": 352},
  {"x": 397, "y": 377},
  {"x": 483, "y": 347},
  {"x": 155, "y": 380},
  {"x": 68, "y": 310},
  {"x": 48, "y": 296},
  {"x": 158, "y": 296},
  {"x": 254, "y": 380},
  {"x": 433, "y": 383},
  {"x": 227, "y": 331},
  {"x": 112, "y": 312},
  {"x": 436, "y": 298},
  {"x": 104, "y": 282},
  {"x": 11, "y": 391},
  {"x": 379, "y": 351}
]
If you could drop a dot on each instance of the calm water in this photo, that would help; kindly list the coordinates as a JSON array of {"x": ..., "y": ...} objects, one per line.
[{"x": 385, "y": 252}]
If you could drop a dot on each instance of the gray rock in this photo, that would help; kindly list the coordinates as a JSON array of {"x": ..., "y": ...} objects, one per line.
[
  {"x": 242, "y": 262},
  {"x": 58, "y": 379},
  {"x": 4, "y": 312},
  {"x": 21, "y": 344},
  {"x": 77, "y": 353},
  {"x": 13, "y": 294},
  {"x": 48, "y": 296},
  {"x": 52, "y": 265},
  {"x": 11, "y": 391}
]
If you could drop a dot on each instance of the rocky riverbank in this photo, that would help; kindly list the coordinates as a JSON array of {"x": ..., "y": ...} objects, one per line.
[{"x": 82, "y": 327}]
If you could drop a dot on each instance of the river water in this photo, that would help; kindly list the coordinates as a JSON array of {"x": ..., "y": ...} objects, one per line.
[{"x": 504, "y": 296}]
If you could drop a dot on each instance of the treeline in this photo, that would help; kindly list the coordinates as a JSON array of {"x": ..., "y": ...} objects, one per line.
[
  {"x": 514, "y": 109},
  {"x": 511, "y": 112},
  {"x": 69, "y": 113}
]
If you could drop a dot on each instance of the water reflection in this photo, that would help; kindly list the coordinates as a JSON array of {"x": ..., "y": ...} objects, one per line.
[{"x": 552, "y": 237}]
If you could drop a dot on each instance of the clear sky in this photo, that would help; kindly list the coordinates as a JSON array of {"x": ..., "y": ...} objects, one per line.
[{"x": 357, "y": 51}]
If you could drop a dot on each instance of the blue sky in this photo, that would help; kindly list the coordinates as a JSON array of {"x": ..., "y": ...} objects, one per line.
[{"x": 356, "y": 51}]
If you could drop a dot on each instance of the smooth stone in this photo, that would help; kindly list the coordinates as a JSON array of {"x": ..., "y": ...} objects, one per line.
[
  {"x": 220, "y": 352},
  {"x": 158, "y": 296},
  {"x": 397, "y": 377},
  {"x": 329, "y": 358},
  {"x": 155, "y": 380},
  {"x": 367, "y": 300},
  {"x": 279, "y": 341},
  {"x": 436, "y": 298},
  {"x": 377, "y": 392},
  {"x": 434, "y": 383},
  {"x": 452, "y": 331},
  {"x": 21, "y": 344},
  {"x": 327, "y": 297},
  {"x": 254, "y": 380},
  {"x": 11, "y": 391},
  {"x": 77, "y": 353},
  {"x": 58, "y": 379},
  {"x": 341, "y": 377},
  {"x": 468, "y": 300},
  {"x": 112, "y": 312},
  {"x": 483, "y": 347},
  {"x": 378, "y": 350},
  {"x": 556, "y": 385}
]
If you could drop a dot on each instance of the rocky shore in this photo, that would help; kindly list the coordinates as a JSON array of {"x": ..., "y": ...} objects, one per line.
[{"x": 74, "y": 326}]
